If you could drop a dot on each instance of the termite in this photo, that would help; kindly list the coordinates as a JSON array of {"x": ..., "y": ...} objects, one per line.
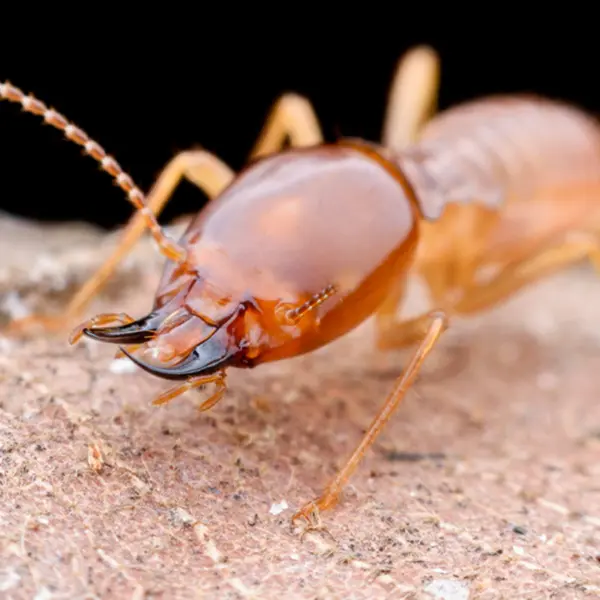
[{"x": 308, "y": 241}]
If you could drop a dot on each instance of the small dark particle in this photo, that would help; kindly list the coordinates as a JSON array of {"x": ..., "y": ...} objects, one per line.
[
  {"x": 414, "y": 456},
  {"x": 252, "y": 521},
  {"x": 519, "y": 530}
]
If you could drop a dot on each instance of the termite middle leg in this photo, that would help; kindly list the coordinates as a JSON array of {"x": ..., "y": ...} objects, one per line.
[
  {"x": 292, "y": 116},
  {"x": 437, "y": 324},
  {"x": 532, "y": 267},
  {"x": 412, "y": 98},
  {"x": 202, "y": 168}
]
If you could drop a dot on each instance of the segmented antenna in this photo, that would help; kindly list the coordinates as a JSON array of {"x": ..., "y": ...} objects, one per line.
[
  {"x": 73, "y": 133},
  {"x": 295, "y": 314}
]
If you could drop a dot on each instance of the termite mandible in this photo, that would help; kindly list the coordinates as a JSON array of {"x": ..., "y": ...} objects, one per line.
[{"x": 307, "y": 242}]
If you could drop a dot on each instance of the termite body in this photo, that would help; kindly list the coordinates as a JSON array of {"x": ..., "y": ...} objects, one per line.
[{"x": 306, "y": 243}]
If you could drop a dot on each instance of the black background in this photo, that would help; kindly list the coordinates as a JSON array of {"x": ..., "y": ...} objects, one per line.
[{"x": 147, "y": 92}]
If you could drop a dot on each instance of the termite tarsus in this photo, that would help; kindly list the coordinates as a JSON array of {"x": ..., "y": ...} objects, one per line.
[{"x": 307, "y": 242}]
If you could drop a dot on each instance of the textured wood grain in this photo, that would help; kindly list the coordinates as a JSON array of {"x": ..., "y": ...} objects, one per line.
[{"x": 102, "y": 495}]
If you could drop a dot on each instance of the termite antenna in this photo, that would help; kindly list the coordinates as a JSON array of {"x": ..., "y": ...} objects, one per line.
[{"x": 74, "y": 134}]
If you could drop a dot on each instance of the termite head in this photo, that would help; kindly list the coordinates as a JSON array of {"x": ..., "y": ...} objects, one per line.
[
  {"x": 199, "y": 330},
  {"x": 297, "y": 251}
]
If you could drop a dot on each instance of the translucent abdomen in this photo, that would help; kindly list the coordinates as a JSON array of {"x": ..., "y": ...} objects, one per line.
[{"x": 500, "y": 150}]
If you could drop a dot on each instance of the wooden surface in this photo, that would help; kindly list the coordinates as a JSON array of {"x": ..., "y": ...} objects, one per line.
[{"x": 104, "y": 496}]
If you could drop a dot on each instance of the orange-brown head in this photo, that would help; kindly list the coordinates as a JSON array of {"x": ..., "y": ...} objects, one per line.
[{"x": 301, "y": 248}]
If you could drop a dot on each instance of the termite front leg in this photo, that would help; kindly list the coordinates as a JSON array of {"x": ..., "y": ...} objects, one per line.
[
  {"x": 202, "y": 168},
  {"x": 401, "y": 334},
  {"x": 292, "y": 116},
  {"x": 412, "y": 98},
  {"x": 389, "y": 331},
  {"x": 437, "y": 324}
]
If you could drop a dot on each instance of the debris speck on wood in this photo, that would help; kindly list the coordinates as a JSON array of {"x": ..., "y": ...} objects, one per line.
[
  {"x": 278, "y": 507},
  {"x": 122, "y": 365},
  {"x": 95, "y": 457},
  {"x": 447, "y": 589}
]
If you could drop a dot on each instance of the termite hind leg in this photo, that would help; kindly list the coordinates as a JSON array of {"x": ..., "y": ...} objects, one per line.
[
  {"x": 438, "y": 323},
  {"x": 195, "y": 382},
  {"x": 291, "y": 117},
  {"x": 202, "y": 168},
  {"x": 521, "y": 273},
  {"x": 412, "y": 98}
]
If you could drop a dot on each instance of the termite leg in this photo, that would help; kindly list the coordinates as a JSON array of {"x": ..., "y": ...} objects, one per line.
[
  {"x": 402, "y": 333},
  {"x": 292, "y": 116},
  {"x": 390, "y": 332},
  {"x": 521, "y": 273},
  {"x": 438, "y": 323},
  {"x": 412, "y": 98},
  {"x": 194, "y": 382},
  {"x": 202, "y": 168}
]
